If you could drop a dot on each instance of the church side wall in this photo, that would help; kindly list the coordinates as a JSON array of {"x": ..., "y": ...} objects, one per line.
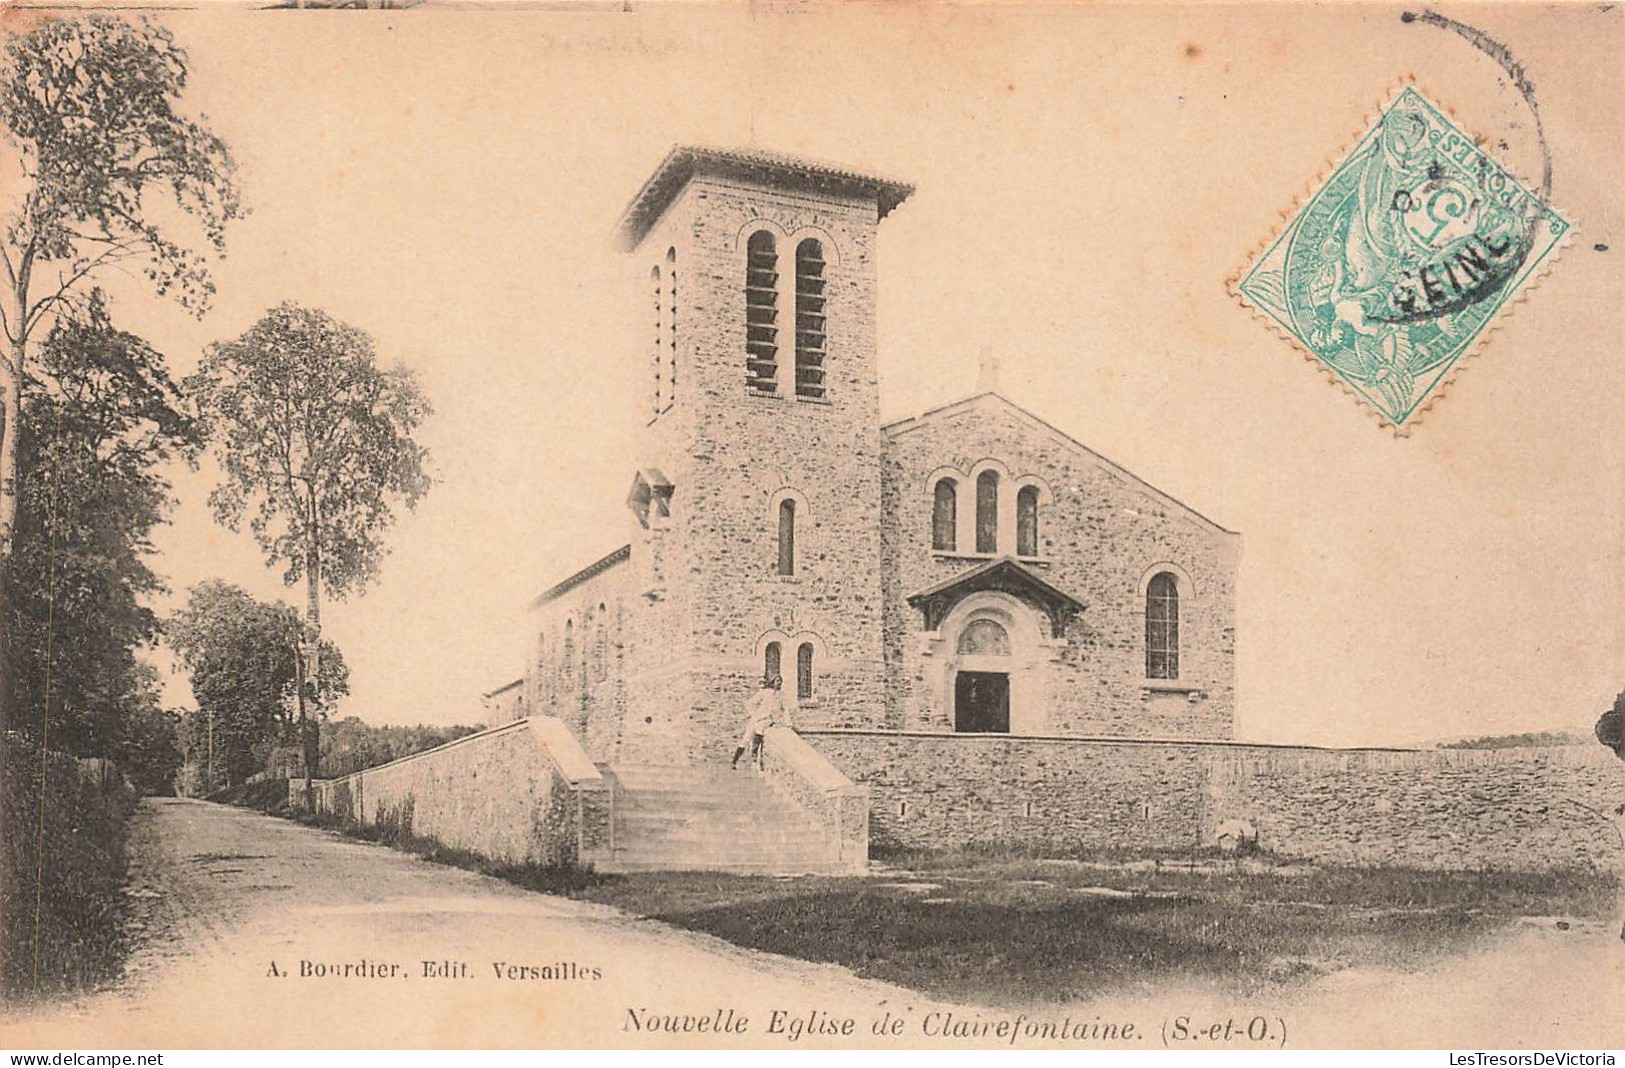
[
  {"x": 1100, "y": 537},
  {"x": 1515, "y": 809},
  {"x": 578, "y": 671}
]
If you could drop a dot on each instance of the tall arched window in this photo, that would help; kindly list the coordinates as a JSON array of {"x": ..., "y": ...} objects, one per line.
[
  {"x": 1162, "y": 627},
  {"x": 945, "y": 515},
  {"x": 804, "y": 671},
  {"x": 762, "y": 313},
  {"x": 770, "y": 661},
  {"x": 1027, "y": 521},
  {"x": 787, "y": 536},
  {"x": 660, "y": 331},
  {"x": 987, "y": 512},
  {"x": 809, "y": 319},
  {"x": 671, "y": 326}
]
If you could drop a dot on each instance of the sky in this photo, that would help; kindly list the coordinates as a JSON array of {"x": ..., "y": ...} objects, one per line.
[{"x": 1087, "y": 180}]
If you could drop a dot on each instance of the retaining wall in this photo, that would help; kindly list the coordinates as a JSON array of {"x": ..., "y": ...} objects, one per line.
[
  {"x": 1528, "y": 809},
  {"x": 521, "y": 792}
]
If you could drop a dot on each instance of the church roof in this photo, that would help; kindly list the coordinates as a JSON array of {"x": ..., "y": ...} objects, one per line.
[
  {"x": 1004, "y": 575},
  {"x": 597, "y": 567},
  {"x": 989, "y": 400},
  {"x": 684, "y": 162}
]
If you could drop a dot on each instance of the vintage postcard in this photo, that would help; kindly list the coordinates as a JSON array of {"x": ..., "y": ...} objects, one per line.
[{"x": 812, "y": 526}]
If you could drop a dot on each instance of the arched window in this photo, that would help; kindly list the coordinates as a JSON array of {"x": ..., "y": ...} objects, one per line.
[
  {"x": 671, "y": 326},
  {"x": 984, "y": 637},
  {"x": 945, "y": 515},
  {"x": 787, "y": 536},
  {"x": 1162, "y": 627},
  {"x": 660, "y": 331},
  {"x": 762, "y": 313},
  {"x": 987, "y": 512},
  {"x": 809, "y": 319},
  {"x": 804, "y": 671},
  {"x": 770, "y": 661},
  {"x": 1027, "y": 521}
]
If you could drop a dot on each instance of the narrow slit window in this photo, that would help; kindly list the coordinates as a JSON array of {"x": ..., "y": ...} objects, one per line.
[
  {"x": 804, "y": 671},
  {"x": 945, "y": 515},
  {"x": 762, "y": 313},
  {"x": 671, "y": 327},
  {"x": 770, "y": 661},
  {"x": 1162, "y": 627},
  {"x": 810, "y": 338},
  {"x": 787, "y": 537},
  {"x": 987, "y": 512},
  {"x": 1027, "y": 521}
]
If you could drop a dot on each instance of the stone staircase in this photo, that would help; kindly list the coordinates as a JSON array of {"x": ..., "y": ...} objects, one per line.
[{"x": 710, "y": 818}]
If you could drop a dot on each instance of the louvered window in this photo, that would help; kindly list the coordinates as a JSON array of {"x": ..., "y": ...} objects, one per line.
[
  {"x": 809, "y": 319},
  {"x": 762, "y": 313}
]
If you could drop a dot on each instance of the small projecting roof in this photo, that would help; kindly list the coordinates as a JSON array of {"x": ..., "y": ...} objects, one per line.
[{"x": 683, "y": 162}]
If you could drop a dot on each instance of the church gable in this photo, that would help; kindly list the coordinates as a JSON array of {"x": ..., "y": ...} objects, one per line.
[{"x": 980, "y": 427}]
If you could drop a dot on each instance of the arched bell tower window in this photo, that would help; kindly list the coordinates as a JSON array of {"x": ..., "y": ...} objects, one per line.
[
  {"x": 762, "y": 312},
  {"x": 770, "y": 661},
  {"x": 810, "y": 319},
  {"x": 787, "y": 536},
  {"x": 945, "y": 515},
  {"x": 1162, "y": 627},
  {"x": 1027, "y": 521},
  {"x": 987, "y": 512},
  {"x": 804, "y": 671}
]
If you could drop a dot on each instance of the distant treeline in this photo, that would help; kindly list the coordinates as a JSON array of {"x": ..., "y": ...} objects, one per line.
[
  {"x": 1528, "y": 740},
  {"x": 349, "y": 745}
]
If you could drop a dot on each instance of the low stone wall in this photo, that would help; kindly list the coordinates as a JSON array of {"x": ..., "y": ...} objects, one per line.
[
  {"x": 521, "y": 792},
  {"x": 1529, "y": 809},
  {"x": 799, "y": 772},
  {"x": 1535, "y": 808}
]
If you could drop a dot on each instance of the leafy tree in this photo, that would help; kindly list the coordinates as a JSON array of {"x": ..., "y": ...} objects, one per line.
[
  {"x": 241, "y": 656},
  {"x": 87, "y": 104},
  {"x": 315, "y": 442},
  {"x": 350, "y": 745},
  {"x": 99, "y": 417},
  {"x": 150, "y": 753}
]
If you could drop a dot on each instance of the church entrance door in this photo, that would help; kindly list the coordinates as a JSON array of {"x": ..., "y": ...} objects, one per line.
[{"x": 982, "y": 702}]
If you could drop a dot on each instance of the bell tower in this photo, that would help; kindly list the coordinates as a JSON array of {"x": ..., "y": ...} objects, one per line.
[{"x": 756, "y": 507}]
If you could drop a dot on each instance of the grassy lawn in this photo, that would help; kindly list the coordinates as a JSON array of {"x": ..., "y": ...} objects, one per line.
[
  {"x": 995, "y": 929},
  {"x": 1021, "y": 931}
]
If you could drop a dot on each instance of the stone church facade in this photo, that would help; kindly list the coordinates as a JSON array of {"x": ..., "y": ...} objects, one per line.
[
  {"x": 971, "y": 570},
  {"x": 992, "y": 634}
]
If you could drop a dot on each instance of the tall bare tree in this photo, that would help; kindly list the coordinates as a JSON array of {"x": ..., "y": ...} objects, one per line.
[
  {"x": 315, "y": 442},
  {"x": 88, "y": 104}
]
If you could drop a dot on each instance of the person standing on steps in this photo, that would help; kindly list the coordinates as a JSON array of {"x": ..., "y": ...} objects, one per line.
[{"x": 765, "y": 710}]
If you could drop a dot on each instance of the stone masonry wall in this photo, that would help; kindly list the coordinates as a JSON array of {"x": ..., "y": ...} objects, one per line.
[
  {"x": 496, "y": 793},
  {"x": 732, "y": 454},
  {"x": 1101, "y": 535},
  {"x": 1522, "y": 809}
]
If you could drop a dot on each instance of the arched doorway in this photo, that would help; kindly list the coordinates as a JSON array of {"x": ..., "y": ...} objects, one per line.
[{"x": 982, "y": 680}]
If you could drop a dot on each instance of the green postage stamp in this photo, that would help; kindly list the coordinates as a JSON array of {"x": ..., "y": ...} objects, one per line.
[{"x": 1403, "y": 257}]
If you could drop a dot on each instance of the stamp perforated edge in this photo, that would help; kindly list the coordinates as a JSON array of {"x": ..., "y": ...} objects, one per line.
[{"x": 1329, "y": 166}]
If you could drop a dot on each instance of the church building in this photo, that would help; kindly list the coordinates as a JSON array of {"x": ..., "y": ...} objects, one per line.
[{"x": 971, "y": 570}]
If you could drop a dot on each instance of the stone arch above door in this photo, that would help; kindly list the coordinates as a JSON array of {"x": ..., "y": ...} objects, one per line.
[{"x": 966, "y": 641}]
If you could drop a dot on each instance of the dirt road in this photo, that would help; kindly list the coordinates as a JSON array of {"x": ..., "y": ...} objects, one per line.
[{"x": 257, "y": 932}]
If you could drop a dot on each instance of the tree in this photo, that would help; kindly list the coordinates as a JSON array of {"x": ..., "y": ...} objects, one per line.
[
  {"x": 88, "y": 105},
  {"x": 315, "y": 443},
  {"x": 99, "y": 417},
  {"x": 241, "y": 656}
]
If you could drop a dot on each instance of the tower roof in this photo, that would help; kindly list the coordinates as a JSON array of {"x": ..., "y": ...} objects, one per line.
[{"x": 684, "y": 162}]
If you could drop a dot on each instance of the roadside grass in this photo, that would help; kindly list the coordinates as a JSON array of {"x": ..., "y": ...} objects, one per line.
[
  {"x": 1010, "y": 927},
  {"x": 62, "y": 867}
]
